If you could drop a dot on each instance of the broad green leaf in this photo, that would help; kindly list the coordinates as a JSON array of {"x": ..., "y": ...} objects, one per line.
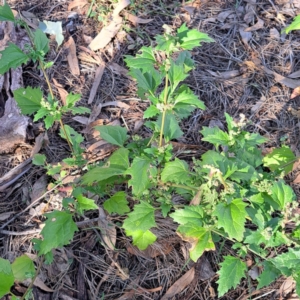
[
  {"x": 84, "y": 204},
  {"x": 186, "y": 99},
  {"x": 115, "y": 135},
  {"x": 190, "y": 214},
  {"x": 141, "y": 239},
  {"x": 151, "y": 111},
  {"x": 6, "y": 277},
  {"x": 232, "y": 218},
  {"x": 39, "y": 159},
  {"x": 120, "y": 159},
  {"x": 12, "y": 57},
  {"x": 176, "y": 75},
  {"x": 73, "y": 136},
  {"x": 215, "y": 136},
  {"x": 165, "y": 209},
  {"x": 72, "y": 99},
  {"x": 268, "y": 275},
  {"x": 41, "y": 113},
  {"x": 185, "y": 58},
  {"x": 141, "y": 61},
  {"x": 175, "y": 171},
  {"x": 288, "y": 262},
  {"x": 6, "y": 13},
  {"x": 28, "y": 99},
  {"x": 23, "y": 268},
  {"x": 295, "y": 25},
  {"x": 253, "y": 139},
  {"x": 191, "y": 38},
  {"x": 231, "y": 272},
  {"x": 200, "y": 238},
  {"x": 147, "y": 81},
  {"x": 231, "y": 124},
  {"x": 139, "y": 171},
  {"x": 50, "y": 119},
  {"x": 141, "y": 218},
  {"x": 53, "y": 28},
  {"x": 281, "y": 195},
  {"x": 101, "y": 173},
  {"x": 58, "y": 231},
  {"x": 117, "y": 204},
  {"x": 166, "y": 44},
  {"x": 41, "y": 42},
  {"x": 171, "y": 127},
  {"x": 280, "y": 158}
]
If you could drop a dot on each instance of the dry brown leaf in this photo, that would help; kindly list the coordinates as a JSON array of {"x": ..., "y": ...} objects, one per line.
[
  {"x": 197, "y": 198},
  {"x": 77, "y": 3},
  {"x": 296, "y": 165},
  {"x": 39, "y": 188},
  {"x": 39, "y": 283},
  {"x": 40, "y": 141},
  {"x": 62, "y": 92},
  {"x": 72, "y": 57},
  {"x": 287, "y": 287},
  {"x": 274, "y": 34},
  {"x": 81, "y": 120},
  {"x": 295, "y": 93},
  {"x": 246, "y": 36},
  {"x": 224, "y": 15},
  {"x": 5, "y": 216},
  {"x": 108, "y": 230},
  {"x": 226, "y": 74},
  {"x": 136, "y": 20},
  {"x": 256, "y": 26},
  {"x": 117, "y": 69},
  {"x": 108, "y": 32},
  {"x": 180, "y": 284},
  {"x": 97, "y": 80}
]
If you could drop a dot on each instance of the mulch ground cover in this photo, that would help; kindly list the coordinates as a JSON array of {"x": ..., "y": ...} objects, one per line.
[{"x": 251, "y": 69}]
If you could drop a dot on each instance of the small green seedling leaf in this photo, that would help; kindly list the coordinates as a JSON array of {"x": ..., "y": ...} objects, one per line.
[
  {"x": 141, "y": 239},
  {"x": 176, "y": 171},
  {"x": 58, "y": 231},
  {"x": 41, "y": 42},
  {"x": 215, "y": 136},
  {"x": 115, "y": 135},
  {"x": 231, "y": 272},
  {"x": 12, "y": 57},
  {"x": 191, "y": 38},
  {"x": 28, "y": 99},
  {"x": 295, "y": 25},
  {"x": 72, "y": 99},
  {"x": 39, "y": 159},
  {"x": 232, "y": 218},
  {"x": 176, "y": 75},
  {"x": 141, "y": 61},
  {"x": 151, "y": 112},
  {"x": 6, "y": 277},
  {"x": 23, "y": 268},
  {"x": 6, "y": 13},
  {"x": 117, "y": 204},
  {"x": 141, "y": 218},
  {"x": 281, "y": 158},
  {"x": 281, "y": 195},
  {"x": 84, "y": 204},
  {"x": 187, "y": 99},
  {"x": 53, "y": 28},
  {"x": 200, "y": 238}
]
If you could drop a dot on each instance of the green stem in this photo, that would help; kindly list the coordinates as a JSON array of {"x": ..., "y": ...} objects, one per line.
[
  {"x": 164, "y": 111},
  {"x": 65, "y": 132}
]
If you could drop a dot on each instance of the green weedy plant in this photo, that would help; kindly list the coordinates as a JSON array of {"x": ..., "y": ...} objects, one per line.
[{"x": 234, "y": 193}]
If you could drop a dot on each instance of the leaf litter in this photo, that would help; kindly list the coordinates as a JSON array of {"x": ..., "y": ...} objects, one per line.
[{"x": 222, "y": 83}]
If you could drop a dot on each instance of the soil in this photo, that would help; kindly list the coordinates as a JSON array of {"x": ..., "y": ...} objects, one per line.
[{"x": 250, "y": 70}]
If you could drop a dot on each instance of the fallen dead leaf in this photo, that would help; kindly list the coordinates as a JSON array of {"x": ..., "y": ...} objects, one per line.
[
  {"x": 40, "y": 141},
  {"x": 246, "y": 36},
  {"x": 226, "y": 74},
  {"x": 62, "y": 92},
  {"x": 71, "y": 56},
  {"x": 77, "y": 3},
  {"x": 180, "y": 284},
  {"x": 108, "y": 32},
  {"x": 5, "y": 216},
  {"x": 108, "y": 230},
  {"x": 39, "y": 188},
  {"x": 295, "y": 93},
  {"x": 81, "y": 120},
  {"x": 274, "y": 34},
  {"x": 224, "y": 15},
  {"x": 117, "y": 69},
  {"x": 97, "y": 80},
  {"x": 39, "y": 283},
  {"x": 287, "y": 287},
  {"x": 258, "y": 25},
  {"x": 136, "y": 20}
]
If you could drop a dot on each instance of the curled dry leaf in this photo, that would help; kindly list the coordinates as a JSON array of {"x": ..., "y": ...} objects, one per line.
[
  {"x": 256, "y": 26},
  {"x": 136, "y": 20},
  {"x": 108, "y": 32},
  {"x": 287, "y": 287},
  {"x": 180, "y": 284},
  {"x": 71, "y": 56},
  {"x": 39, "y": 283},
  {"x": 97, "y": 80}
]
